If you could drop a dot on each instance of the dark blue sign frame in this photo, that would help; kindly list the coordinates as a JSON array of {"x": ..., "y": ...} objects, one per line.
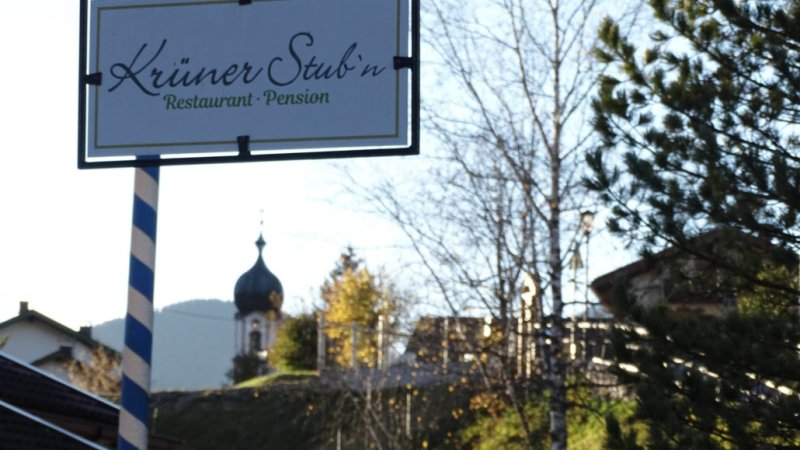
[{"x": 86, "y": 79}]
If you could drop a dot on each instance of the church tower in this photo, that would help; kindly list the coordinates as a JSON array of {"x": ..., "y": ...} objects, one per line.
[{"x": 258, "y": 296}]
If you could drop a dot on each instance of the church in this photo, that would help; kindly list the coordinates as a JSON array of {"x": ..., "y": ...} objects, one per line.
[{"x": 258, "y": 296}]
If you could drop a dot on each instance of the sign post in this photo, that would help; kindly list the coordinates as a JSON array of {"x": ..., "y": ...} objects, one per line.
[{"x": 137, "y": 354}]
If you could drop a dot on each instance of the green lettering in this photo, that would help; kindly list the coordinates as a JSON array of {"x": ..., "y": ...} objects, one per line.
[
  {"x": 299, "y": 98},
  {"x": 269, "y": 96},
  {"x": 170, "y": 99}
]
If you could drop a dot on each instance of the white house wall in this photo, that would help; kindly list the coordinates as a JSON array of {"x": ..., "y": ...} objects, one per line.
[
  {"x": 30, "y": 341},
  {"x": 58, "y": 369},
  {"x": 648, "y": 288}
]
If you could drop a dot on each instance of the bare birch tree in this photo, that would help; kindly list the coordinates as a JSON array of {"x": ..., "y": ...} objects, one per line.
[{"x": 507, "y": 86}]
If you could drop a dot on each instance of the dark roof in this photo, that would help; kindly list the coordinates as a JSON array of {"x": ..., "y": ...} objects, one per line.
[
  {"x": 63, "y": 354},
  {"x": 20, "y": 430},
  {"x": 31, "y": 315},
  {"x": 601, "y": 286},
  {"x": 258, "y": 289},
  {"x": 55, "y": 404},
  {"x": 29, "y": 388},
  {"x": 34, "y": 400}
]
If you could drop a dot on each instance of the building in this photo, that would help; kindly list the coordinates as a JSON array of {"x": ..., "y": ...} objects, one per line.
[
  {"x": 258, "y": 296},
  {"x": 46, "y": 344},
  {"x": 446, "y": 340},
  {"x": 702, "y": 277}
]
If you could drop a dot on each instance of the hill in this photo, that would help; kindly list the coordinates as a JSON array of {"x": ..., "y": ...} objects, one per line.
[
  {"x": 193, "y": 343},
  {"x": 300, "y": 412},
  {"x": 291, "y": 411}
]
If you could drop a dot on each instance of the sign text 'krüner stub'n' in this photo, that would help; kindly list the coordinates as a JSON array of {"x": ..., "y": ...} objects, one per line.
[{"x": 190, "y": 76}]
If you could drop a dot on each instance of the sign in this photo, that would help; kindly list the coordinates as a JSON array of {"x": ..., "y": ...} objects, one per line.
[{"x": 273, "y": 78}]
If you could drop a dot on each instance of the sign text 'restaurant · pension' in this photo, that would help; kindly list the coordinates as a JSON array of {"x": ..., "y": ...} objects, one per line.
[{"x": 270, "y": 98}]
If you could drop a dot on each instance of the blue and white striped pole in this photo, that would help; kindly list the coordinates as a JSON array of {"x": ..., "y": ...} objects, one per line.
[{"x": 135, "y": 414}]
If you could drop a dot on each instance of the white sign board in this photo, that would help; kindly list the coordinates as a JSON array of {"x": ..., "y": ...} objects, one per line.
[{"x": 190, "y": 76}]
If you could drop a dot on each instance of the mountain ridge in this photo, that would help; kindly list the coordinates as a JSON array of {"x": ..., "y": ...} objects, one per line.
[{"x": 193, "y": 343}]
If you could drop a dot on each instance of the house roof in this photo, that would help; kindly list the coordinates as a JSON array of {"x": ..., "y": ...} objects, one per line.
[
  {"x": 37, "y": 404},
  {"x": 50, "y": 406},
  {"x": 22, "y": 430},
  {"x": 63, "y": 354},
  {"x": 33, "y": 389},
  {"x": 30, "y": 315},
  {"x": 601, "y": 286}
]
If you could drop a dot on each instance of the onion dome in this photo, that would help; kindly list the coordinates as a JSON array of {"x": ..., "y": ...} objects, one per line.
[{"x": 258, "y": 289}]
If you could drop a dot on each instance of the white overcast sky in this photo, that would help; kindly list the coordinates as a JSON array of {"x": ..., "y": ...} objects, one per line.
[{"x": 65, "y": 233}]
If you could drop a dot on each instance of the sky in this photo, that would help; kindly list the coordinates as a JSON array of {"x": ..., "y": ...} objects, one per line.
[{"x": 65, "y": 233}]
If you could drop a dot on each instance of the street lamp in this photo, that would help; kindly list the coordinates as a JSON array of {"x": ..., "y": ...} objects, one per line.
[{"x": 587, "y": 222}]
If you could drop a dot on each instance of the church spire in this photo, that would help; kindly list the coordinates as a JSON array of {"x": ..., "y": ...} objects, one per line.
[
  {"x": 258, "y": 289},
  {"x": 260, "y": 242}
]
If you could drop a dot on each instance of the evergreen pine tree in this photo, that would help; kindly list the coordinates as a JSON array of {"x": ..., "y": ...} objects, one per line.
[
  {"x": 706, "y": 116},
  {"x": 705, "y": 119}
]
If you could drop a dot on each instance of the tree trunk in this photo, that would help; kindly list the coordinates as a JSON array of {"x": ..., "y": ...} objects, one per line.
[{"x": 556, "y": 367}]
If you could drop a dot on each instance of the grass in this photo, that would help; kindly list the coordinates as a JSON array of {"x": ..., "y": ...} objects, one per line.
[
  {"x": 291, "y": 377},
  {"x": 586, "y": 429},
  {"x": 589, "y": 434}
]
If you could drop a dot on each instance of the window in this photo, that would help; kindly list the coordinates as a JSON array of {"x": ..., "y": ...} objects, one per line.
[{"x": 255, "y": 341}]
